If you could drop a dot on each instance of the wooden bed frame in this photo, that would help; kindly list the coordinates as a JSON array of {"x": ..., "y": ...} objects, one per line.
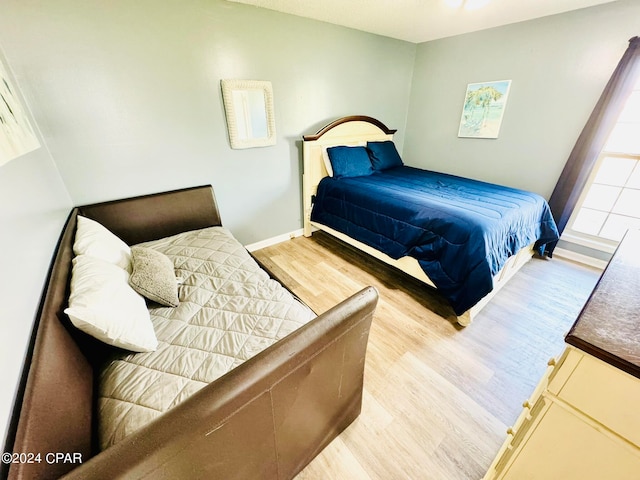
[
  {"x": 357, "y": 130},
  {"x": 266, "y": 418}
]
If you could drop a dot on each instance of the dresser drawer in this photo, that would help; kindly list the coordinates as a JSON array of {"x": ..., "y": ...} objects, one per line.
[
  {"x": 565, "y": 446},
  {"x": 604, "y": 393}
]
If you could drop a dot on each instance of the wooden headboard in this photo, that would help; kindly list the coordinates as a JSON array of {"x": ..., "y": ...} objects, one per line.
[{"x": 352, "y": 130}]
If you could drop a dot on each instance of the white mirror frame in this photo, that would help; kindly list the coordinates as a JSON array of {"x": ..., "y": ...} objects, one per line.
[{"x": 250, "y": 115}]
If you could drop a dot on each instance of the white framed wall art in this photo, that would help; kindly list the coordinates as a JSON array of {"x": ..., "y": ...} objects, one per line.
[
  {"x": 16, "y": 134},
  {"x": 483, "y": 109}
]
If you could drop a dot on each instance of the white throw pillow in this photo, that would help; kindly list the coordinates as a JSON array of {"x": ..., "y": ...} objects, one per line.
[
  {"x": 326, "y": 161},
  {"x": 94, "y": 239},
  {"x": 103, "y": 305}
]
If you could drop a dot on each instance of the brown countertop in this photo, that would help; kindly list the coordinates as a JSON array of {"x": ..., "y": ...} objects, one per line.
[{"x": 609, "y": 325}]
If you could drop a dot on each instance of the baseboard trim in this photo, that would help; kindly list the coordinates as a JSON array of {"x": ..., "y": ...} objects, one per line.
[
  {"x": 580, "y": 258},
  {"x": 560, "y": 252},
  {"x": 274, "y": 240}
]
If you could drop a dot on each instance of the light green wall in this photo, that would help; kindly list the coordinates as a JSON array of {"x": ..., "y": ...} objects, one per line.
[
  {"x": 558, "y": 66},
  {"x": 127, "y": 96}
]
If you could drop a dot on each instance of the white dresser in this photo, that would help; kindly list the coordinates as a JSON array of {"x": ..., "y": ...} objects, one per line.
[{"x": 582, "y": 421}]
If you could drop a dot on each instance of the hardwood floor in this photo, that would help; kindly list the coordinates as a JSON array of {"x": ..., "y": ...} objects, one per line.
[{"x": 438, "y": 398}]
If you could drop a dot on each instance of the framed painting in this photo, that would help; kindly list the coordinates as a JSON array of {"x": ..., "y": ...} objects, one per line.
[
  {"x": 483, "y": 109},
  {"x": 16, "y": 135}
]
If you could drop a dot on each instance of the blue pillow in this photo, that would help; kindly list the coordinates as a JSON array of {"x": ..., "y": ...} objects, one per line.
[
  {"x": 384, "y": 155},
  {"x": 349, "y": 161}
]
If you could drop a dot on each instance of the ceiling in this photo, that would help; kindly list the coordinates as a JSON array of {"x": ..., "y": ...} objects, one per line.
[{"x": 419, "y": 21}]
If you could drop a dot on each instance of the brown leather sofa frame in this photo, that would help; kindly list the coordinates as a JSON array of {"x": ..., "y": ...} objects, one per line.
[{"x": 268, "y": 418}]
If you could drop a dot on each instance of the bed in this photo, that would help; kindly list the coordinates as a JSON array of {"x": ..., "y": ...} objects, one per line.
[
  {"x": 464, "y": 237},
  {"x": 289, "y": 387}
]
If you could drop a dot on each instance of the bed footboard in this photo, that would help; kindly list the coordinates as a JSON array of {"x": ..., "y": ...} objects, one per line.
[{"x": 265, "y": 419}]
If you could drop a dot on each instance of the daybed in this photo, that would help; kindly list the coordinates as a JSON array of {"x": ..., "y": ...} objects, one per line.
[
  {"x": 462, "y": 236},
  {"x": 265, "y": 418}
]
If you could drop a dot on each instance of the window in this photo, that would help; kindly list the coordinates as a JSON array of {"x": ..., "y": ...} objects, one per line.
[{"x": 610, "y": 202}]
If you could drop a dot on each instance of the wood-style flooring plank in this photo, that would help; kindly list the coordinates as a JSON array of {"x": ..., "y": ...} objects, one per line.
[{"x": 438, "y": 398}]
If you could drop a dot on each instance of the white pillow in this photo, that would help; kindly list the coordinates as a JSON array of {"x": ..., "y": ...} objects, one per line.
[
  {"x": 94, "y": 239},
  {"x": 327, "y": 162},
  {"x": 325, "y": 155},
  {"x": 103, "y": 305}
]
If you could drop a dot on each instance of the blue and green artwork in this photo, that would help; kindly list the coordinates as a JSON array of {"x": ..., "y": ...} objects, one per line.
[{"x": 483, "y": 109}]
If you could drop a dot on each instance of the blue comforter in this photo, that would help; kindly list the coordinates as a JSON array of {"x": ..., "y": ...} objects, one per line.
[{"x": 461, "y": 231}]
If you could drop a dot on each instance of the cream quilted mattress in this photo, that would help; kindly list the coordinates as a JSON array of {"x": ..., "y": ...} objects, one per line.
[{"x": 229, "y": 311}]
